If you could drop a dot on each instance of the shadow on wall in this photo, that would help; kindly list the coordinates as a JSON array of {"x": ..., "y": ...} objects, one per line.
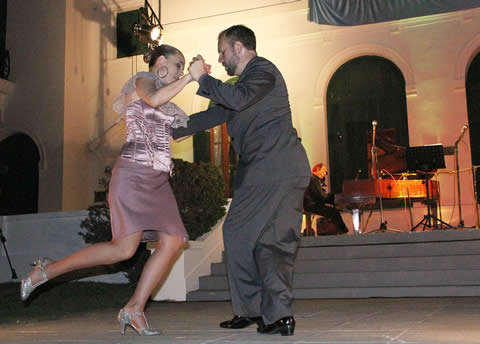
[{"x": 105, "y": 15}]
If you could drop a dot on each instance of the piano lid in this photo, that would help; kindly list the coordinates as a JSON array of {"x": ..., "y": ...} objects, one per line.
[{"x": 391, "y": 157}]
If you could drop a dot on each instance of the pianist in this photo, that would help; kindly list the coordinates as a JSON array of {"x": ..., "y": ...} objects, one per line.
[{"x": 316, "y": 200}]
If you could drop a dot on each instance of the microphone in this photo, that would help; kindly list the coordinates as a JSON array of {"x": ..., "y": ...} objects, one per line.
[
  {"x": 462, "y": 132},
  {"x": 357, "y": 175}
]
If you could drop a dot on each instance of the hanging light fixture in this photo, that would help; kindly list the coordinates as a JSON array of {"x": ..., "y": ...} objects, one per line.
[{"x": 148, "y": 29}]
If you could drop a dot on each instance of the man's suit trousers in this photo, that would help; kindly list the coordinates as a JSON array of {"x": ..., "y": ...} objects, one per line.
[{"x": 261, "y": 234}]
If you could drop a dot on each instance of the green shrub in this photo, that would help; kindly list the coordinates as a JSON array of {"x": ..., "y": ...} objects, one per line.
[{"x": 199, "y": 191}]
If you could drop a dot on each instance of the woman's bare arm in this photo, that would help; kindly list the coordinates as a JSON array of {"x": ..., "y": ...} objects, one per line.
[{"x": 155, "y": 97}]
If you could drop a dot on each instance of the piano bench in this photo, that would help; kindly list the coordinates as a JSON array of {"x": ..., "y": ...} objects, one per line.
[{"x": 323, "y": 225}]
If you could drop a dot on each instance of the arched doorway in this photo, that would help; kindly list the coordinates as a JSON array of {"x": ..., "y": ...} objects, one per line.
[
  {"x": 362, "y": 90},
  {"x": 473, "y": 106},
  {"x": 19, "y": 158}
]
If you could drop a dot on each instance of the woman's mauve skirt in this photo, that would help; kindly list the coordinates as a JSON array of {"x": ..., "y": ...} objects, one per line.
[{"x": 141, "y": 199}]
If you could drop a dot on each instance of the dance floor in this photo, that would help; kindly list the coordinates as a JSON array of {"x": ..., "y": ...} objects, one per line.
[{"x": 356, "y": 321}]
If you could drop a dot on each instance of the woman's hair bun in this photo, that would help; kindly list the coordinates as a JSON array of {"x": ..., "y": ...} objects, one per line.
[{"x": 147, "y": 56}]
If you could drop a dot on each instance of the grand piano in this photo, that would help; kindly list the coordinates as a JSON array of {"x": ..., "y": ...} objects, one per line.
[
  {"x": 395, "y": 182},
  {"x": 361, "y": 193}
]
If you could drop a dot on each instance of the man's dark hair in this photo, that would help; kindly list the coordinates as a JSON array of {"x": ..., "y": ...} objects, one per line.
[
  {"x": 164, "y": 50},
  {"x": 240, "y": 33}
]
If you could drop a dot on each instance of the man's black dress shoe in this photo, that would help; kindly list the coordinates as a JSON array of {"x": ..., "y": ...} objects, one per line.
[
  {"x": 239, "y": 322},
  {"x": 284, "y": 326}
]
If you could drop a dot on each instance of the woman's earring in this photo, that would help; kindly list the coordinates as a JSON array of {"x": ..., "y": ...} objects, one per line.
[{"x": 165, "y": 72}]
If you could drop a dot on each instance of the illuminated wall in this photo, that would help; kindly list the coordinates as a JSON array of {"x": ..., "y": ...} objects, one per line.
[{"x": 433, "y": 54}]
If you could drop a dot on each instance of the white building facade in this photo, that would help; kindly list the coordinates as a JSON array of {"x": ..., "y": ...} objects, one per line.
[{"x": 65, "y": 77}]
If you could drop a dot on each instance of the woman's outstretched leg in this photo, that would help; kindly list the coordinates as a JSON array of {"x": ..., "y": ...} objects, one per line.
[
  {"x": 154, "y": 272},
  {"x": 103, "y": 253}
]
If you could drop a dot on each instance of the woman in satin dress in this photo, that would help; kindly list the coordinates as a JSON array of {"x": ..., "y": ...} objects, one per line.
[{"x": 142, "y": 204}]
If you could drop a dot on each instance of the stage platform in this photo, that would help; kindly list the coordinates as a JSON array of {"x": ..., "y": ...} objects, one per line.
[{"x": 432, "y": 263}]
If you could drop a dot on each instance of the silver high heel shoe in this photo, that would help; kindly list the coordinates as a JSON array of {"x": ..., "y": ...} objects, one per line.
[
  {"x": 26, "y": 287},
  {"x": 126, "y": 318}
]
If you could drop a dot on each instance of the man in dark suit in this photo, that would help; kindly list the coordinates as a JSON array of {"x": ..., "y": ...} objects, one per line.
[{"x": 262, "y": 228}]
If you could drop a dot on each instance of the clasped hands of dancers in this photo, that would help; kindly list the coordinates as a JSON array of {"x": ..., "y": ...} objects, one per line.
[{"x": 265, "y": 213}]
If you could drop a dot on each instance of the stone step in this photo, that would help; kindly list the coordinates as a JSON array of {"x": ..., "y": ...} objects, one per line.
[
  {"x": 453, "y": 235},
  {"x": 422, "y": 249},
  {"x": 374, "y": 264},
  {"x": 366, "y": 279},
  {"x": 209, "y": 295},
  {"x": 344, "y": 293},
  {"x": 414, "y": 291}
]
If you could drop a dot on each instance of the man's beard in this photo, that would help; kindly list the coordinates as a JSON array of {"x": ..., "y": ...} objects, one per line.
[{"x": 231, "y": 66}]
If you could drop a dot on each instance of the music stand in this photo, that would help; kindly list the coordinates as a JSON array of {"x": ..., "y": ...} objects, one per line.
[{"x": 426, "y": 159}]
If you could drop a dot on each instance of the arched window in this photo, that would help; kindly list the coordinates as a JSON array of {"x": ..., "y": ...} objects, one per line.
[
  {"x": 473, "y": 106},
  {"x": 362, "y": 90},
  {"x": 19, "y": 158}
]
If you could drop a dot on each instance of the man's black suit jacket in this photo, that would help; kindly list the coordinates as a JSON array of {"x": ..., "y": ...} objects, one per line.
[{"x": 258, "y": 116}]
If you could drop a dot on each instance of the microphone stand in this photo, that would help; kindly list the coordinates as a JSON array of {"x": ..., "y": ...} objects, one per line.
[
  {"x": 3, "y": 240},
  {"x": 461, "y": 224},
  {"x": 475, "y": 195},
  {"x": 378, "y": 176}
]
